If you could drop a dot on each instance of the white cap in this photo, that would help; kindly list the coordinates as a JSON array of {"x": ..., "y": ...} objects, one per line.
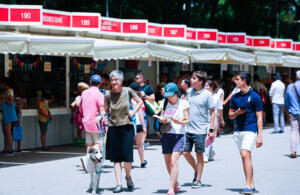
[{"x": 298, "y": 74}]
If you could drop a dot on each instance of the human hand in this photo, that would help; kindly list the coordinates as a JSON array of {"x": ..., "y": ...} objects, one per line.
[
  {"x": 175, "y": 120},
  {"x": 211, "y": 134},
  {"x": 240, "y": 111},
  {"x": 259, "y": 141},
  {"x": 144, "y": 129}
]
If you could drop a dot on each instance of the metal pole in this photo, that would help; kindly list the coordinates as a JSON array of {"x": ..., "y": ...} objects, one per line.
[
  {"x": 67, "y": 81},
  {"x": 157, "y": 72},
  {"x": 107, "y": 9},
  {"x": 6, "y": 64},
  {"x": 117, "y": 65}
]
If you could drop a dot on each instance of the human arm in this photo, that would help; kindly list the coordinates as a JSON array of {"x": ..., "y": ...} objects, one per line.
[
  {"x": 235, "y": 113},
  {"x": 139, "y": 104},
  {"x": 141, "y": 117},
  {"x": 227, "y": 99},
  {"x": 259, "y": 117},
  {"x": 271, "y": 92},
  {"x": 186, "y": 117}
]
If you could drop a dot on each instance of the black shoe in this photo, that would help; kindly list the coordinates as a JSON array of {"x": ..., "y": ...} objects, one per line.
[
  {"x": 130, "y": 184},
  {"x": 143, "y": 165},
  {"x": 118, "y": 189},
  {"x": 195, "y": 176}
]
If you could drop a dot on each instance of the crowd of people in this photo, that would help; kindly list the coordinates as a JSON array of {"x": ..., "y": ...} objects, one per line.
[{"x": 187, "y": 113}]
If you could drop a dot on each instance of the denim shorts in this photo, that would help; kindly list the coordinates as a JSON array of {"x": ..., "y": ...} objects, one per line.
[
  {"x": 172, "y": 143},
  {"x": 197, "y": 139}
]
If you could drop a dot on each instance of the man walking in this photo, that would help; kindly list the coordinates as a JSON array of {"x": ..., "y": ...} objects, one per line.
[
  {"x": 201, "y": 106},
  {"x": 147, "y": 94},
  {"x": 246, "y": 108},
  {"x": 92, "y": 102},
  {"x": 292, "y": 102},
  {"x": 277, "y": 97}
]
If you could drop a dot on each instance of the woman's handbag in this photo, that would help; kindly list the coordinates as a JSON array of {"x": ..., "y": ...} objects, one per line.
[
  {"x": 18, "y": 133},
  {"x": 165, "y": 127}
]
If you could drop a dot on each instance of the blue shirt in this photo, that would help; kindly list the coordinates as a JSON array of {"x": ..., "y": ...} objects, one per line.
[
  {"x": 252, "y": 102},
  {"x": 291, "y": 101}
]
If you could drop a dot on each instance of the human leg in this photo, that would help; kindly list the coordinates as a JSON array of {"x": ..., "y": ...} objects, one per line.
[
  {"x": 281, "y": 118},
  {"x": 248, "y": 168},
  {"x": 5, "y": 150},
  {"x": 7, "y": 129},
  {"x": 139, "y": 143},
  {"x": 276, "y": 110},
  {"x": 173, "y": 170},
  {"x": 294, "y": 135}
]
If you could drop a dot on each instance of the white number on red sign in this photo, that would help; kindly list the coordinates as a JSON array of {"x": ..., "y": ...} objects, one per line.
[
  {"x": 134, "y": 27},
  {"x": 26, "y": 15},
  {"x": 207, "y": 36},
  {"x": 174, "y": 32},
  {"x": 261, "y": 42},
  {"x": 235, "y": 39},
  {"x": 85, "y": 22}
]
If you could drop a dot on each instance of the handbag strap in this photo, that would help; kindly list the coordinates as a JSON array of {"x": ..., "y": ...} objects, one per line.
[{"x": 297, "y": 94}]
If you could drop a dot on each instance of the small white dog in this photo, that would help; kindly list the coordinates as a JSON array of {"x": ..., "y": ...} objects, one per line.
[{"x": 94, "y": 167}]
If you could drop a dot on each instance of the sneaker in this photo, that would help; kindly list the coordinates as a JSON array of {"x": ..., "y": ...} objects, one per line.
[
  {"x": 143, "y": 165},
  {"x": 82, "y": 159},
  {"x": 130, "y": 184},
  {"x": 293, "y": 155},
  {"x": 281, "y": 131},
  {"x": 195, "y": 176},
  {"x": 205, "y": 159},
  {"x": 9, "y": 154},
  {"x": 146, "y": 145},
  {"x": 118, "y": 189},
  {"x": 248, "y": 191},
  {"x": 196, "y": 184}
]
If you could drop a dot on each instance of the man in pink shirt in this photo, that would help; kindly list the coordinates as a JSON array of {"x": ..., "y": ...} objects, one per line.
[{"x": 92, "y": 102}]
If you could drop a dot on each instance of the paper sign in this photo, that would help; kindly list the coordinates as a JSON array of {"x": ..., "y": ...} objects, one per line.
[
  {"x": 25, "y": 14},
  {"x": 85, "y": 20},
  {"x": 222, "y": 38},
  {"x": 3, "y": 14},
  {"x": 261, "y": 42},
  {"x": 111, "y": 25},
  {"x": 10, "y": 66},
  {"x": 155, "y": 30},
  {"x": 283, "y": 44},
  {"x": 191, "y": 34},
  {"x": 54, "y": 18},
  {"x": 134, "y": 27},
  {"x": 236, "y": 38},
  {"x": 87, "y": 68},
  {"x": 47, "y": 67},
  {"x": 207, "y": 35},
  {"x": 174, "y": 32}
]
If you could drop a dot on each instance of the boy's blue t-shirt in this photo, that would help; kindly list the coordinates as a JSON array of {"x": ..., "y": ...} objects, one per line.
[{"x": 252, "y": 102}]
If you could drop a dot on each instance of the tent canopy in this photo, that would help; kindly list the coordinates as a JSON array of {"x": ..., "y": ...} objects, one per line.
[{"x": 12, "y": 44}]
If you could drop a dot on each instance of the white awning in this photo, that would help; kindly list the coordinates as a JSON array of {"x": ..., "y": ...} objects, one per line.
[
  {"x": 268, "y": 58},
  {"x": 114, "y": 50},
  {"x": 221, "y": 55},
  {"x": 49, "y": 45},
  {"x": 13, "y": 44},
  {"x": 291, "y": 61}
]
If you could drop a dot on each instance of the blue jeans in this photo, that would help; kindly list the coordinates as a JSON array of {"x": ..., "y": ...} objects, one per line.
[{"x": 278, "y": 115}]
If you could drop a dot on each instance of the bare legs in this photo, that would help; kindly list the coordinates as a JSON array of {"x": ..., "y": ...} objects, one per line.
[
  {"x": 140, "y": 140},
  {"x": 197, "y": 167},
  {"x": 118, "y": 171},
  {"x": 171, "y": 161},
  {"x": 248, "y": 168}
]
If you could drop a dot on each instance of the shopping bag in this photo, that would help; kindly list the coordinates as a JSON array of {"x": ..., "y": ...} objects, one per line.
[{"x": 18, "y": 133}]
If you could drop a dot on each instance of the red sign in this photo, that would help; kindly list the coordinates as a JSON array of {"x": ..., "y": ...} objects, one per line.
[
  {"x": 3, "y": 14},
  {"x": 155, "y": 30},
  {"x": 85, "y": 21},
  {"x": 261, "y": 42},
  {"x": 272, "y": 44},
  {"x": 249, "y": 41},
  {"x": 59, "y": 19},
  {"x": 222, "y": 38},
  {"x": 191, "y": 34},
  {"x": 237, "y": 38},
  {"x": 174, "y": 31},
  {"x": 207, "y": 35},
  {"x": 21, "y": 15},
  {"x": 135, "y": 27},
  {"x": 111, "y": 25},
  {"x": 283, "y": 44},
  {"x": 296, "y": 46}
]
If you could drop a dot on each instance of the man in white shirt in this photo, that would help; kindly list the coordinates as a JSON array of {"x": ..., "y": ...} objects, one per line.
[{"x": 277, "y": 97}]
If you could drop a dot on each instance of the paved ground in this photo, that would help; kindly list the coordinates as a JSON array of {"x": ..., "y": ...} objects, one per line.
[{"x": 59, "y": 172}]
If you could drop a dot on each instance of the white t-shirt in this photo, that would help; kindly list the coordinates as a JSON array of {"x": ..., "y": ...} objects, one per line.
[
  {"x": 137, "y": 118},
  {"x": 277, "y": 92},
  {"x": 176, "y": 111},
  {"x": 78, "y": 100}
]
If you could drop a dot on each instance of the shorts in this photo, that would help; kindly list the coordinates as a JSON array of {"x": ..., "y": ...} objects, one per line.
[
  {"x": 197, "y": 139},
  {"x": 172, "y": 143},
  {"x": 43, "y": 126},
  {"x": 92, "y": 138},
  {"x": 245, "y": 140},
  {"x": 139, "y": 128},
  {"x": 119, "y": 143}
]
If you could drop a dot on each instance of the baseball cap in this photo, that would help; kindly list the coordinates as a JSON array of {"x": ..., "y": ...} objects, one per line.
[
  {"x": 96, "y": 79},
  {"x": 170, "y": 89},
  {"x": 298, "y": 74}
]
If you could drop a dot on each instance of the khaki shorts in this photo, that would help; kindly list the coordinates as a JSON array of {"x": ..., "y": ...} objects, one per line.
[
  {"x": 94, "y": 138},
  {"x": 245, "y": 140}
]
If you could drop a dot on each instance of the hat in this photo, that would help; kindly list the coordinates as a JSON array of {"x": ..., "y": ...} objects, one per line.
[
  {"x": 81, "y": 86},
  {"x": 170, "y": 89},
  {"x": 135, "y": 86},
  {"x": 298, "y": 74},
  {"x": 96, "y": 79}
]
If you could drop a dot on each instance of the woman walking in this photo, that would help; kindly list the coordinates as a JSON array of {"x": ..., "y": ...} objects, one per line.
[
  {"x": 174, "y": 116},
  {"x": 120, "y": 129}
]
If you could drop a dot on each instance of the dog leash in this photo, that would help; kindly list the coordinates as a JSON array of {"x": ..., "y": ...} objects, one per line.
[{"x": 101, "y": 129}]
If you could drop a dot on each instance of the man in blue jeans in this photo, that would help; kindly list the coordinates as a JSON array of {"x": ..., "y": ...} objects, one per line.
[
  {"x": 246, "y": 108},
  {"x": 201, "y": 106}
]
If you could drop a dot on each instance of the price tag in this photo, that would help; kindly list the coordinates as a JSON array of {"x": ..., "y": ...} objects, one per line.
[
  {"x": 87, "y": 69},
  {"x": 47, "y": 67},
  {"x": 10, "y": 66}
]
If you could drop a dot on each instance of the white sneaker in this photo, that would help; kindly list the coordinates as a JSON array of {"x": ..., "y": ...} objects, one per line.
[
  {"x": 82, "y": 159},
  {"x": 205, "y": 159}
]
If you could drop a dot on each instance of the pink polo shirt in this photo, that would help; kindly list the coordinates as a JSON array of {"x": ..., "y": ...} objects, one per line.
[{"x": 91, "y": 99}]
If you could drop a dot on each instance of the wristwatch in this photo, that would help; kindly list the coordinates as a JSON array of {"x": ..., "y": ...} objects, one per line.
[{"x": 211, "y": 130}]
